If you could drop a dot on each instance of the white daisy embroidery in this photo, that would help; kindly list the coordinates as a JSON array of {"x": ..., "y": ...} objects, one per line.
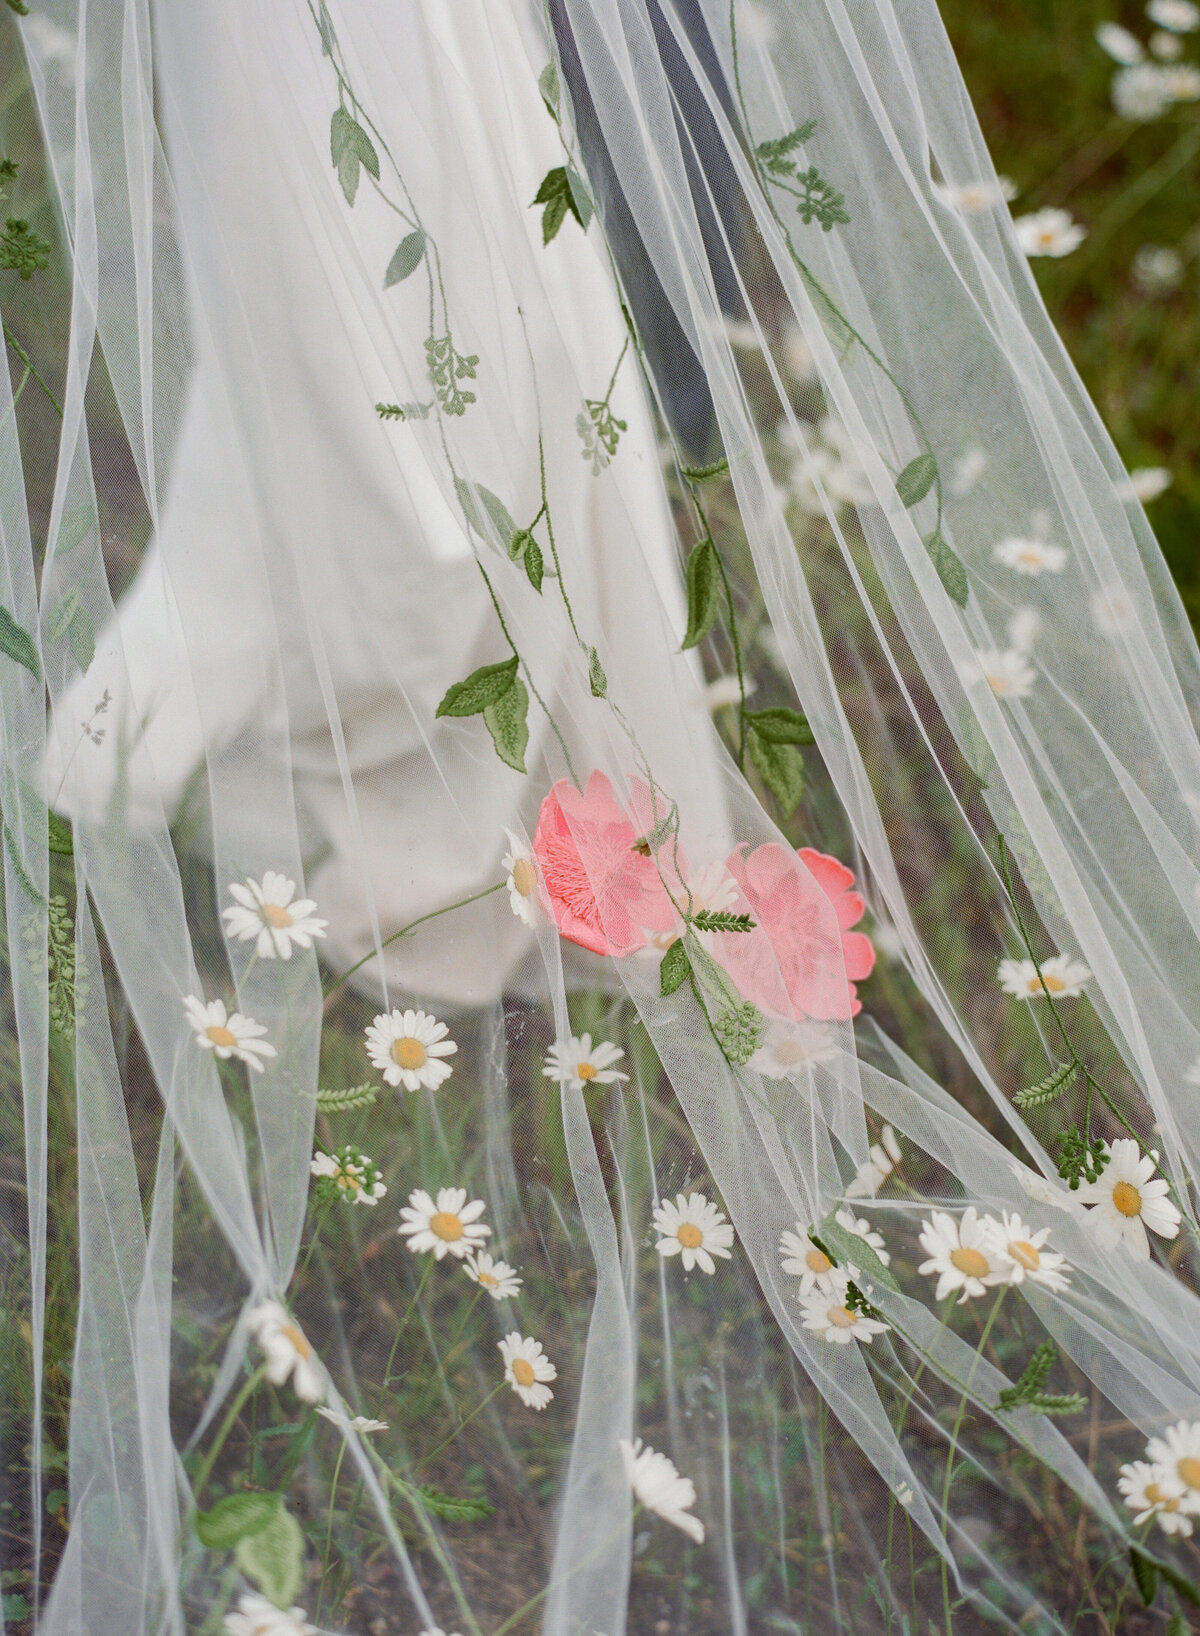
[
  {"x": 288, "y": 1351},
  {"x": 693, "y": 1229},
  {"x": 447, "y": 1225},
  {"x": 1128, "y": 1197},
  {"x": 527, "y": 1369},
  {"x": 825, "y": 1313},
  {"x": 1030, "y": 1261},
  {"x": 581, "y": 1063},
  {"x": 1030, "y": 556},
  {"x": 228, "y": 1036},
  {"x": 269, "y": 913},
  {"x": 408, "y": 1046},
  {"x": 497, "y": 1277},
  {"x": 657, "y": 1485},
  {"x": 1063, "y": 975},
  {"x": 966, "y": 1255},
  {"x": 255, "y": 1616},
  {"x": 788, "y": 1046},
  {"x": 521, "y": 878}
]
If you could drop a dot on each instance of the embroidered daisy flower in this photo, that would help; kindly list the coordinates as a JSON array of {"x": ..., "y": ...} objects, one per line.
[
  {"x": 1063, "y": 976},
  {"x": 358, "y": 1422},
  {"x": 787, "y": 1046},
  {"x": 1119, "y": 44},
  {"x": 1049, "y": 232},
  {"x": 975, "y": 197},
  {"x": 657, "y": 1485},
  {"x": 582, "y": 1064},
  {"x": 268, "y": 912},
  {"x": 1007, "y": 672},
  {"x": 288, "y": 1351},
  {"x": 497, "y": 1277},
  {"x": 799, "y": 1256},
  {"x": 1176, "y": 1458},
  {"x": 870, "y": 1176},
  {"x": 1023, "y": 1247},
  {"x": 447, "y": 1225},
  {"x": 527, "y": 1369},
  {"x": 407, "y": 1048},
  {"x": 693, "y": 1229},
  {"x": 824, "y": 1311},
  {"x": 348, "y": 1172},
  {"x": 1128, "y": 1197},
  {"x": 1180, "y": 16},
  {"x": 255, "y": 1616},
  {"x": 229, "y": 1036},
  {"x": 967, "y": 1254},
  {"x": 1030, "y": 556},
  {"x": 522, "y": 879},
  {"x": 1149, "y": 1491}
]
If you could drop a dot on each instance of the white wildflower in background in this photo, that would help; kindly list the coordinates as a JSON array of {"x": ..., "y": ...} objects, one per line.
[
  {"x": 825, "y": 1313},
  {"x": 966, "y": 471},
  {"x": 1061, "y": 974},
  {"x": 269, "y": 912},
  {"x": 870, "y": 1176},
  {"x": 287, "y": 1350},
  {"x": 975, "y": 197},
  {"x": 407, "y": 1048},
  {"x": 797, "y": 354},
  {"x": 1182, "y": 81},
  {"x": 358, "y": 1423},
  {"x": 657, "y": 1485},
  {"x": 827, "y": 470},
  {"x": 1119, "y": 43},
  {"x": 497, "y": 1277},
  {"x": 1141, "y": 93},
  {"x": 1146, "y": 483},
  {"x": 725, "y": 691},
  {"x": 967, "y": 1254},
  {"x": 1050, "y": 232},
  {"x": 521, "y": 878},
  {"x": 1031, "y": 1262},
  {"x": 1038, "y": 1187},
  {"x": 1149, "y": 1492},
  {"x": 863, "y": 1229},
  {"x": 581, "y": 1063},
  {"x": 349, "y": 1173},
  {"x": 229, "y": 1036},
  {"x": 1128, "y": 1197},
  {"x": 447, "y": 1225},
  {"x": 787, "y": 1046},
  {"x": 1180, "y": 16},
  {"x": 905, "y": 1493},
  {"x": 1157, "y": 270},
  {"x": 1030, "y": 556},
  {"x": 1112, "y": 610},
  {"x": 1166, "y": 47},
  {"x": 800, "y": 1257},
  {"x": 693, "y": 1229},
  {"x": 1007, "y": 672},
  {"x": 255, "y": 1616},
  {"x": 53, "y": 45},
  {"x": 742, "y": 335},
  {"x": 1176, "y": 1455},
  {"x": 527, "y": 1369}
]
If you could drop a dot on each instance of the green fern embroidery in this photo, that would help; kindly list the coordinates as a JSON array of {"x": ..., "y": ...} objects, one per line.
[{"x": 447, "y": 367}]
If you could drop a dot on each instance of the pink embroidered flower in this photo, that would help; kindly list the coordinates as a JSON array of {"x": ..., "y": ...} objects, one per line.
[
  {"x": 802, "y": 960},
  {"x": 602, "y": 893}
]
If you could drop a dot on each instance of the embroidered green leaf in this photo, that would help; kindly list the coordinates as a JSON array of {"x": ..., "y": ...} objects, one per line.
[
  {"x": 358, "y": 1096},
  {"x": 781, "y": 768},
  {"x": 721, "y": 920},
  {"x": 950, "y": 569},
  {"x": 581, "y": 199},
  {"x": 81, "y": 635},
  {"x": 673, "y": 971},
  {"x": 846, "y": 1248},
  {"x": 406, "y": 258},
  {"x": 780, "y": 725},
  {"x": 350, "y": 147},
  {"x": 707, "y": 474},
  {"x": 548, "y": 86},
  {"x": 16, "y": 641},
  {"x": 59, "y": 835},
  {"x": 774, "y": 153},
  {"x": 62, "y": 614},
  {"x": 703, "y": 576},
  {"x": 505, "y": 721},
  {"x": 739, "y": 1032},
  {"x": 75, "y": 527},
  {"x": 535, "y": 565},
  {"x": 1046, "y": 1090},
  {"x": 1145, "y": 1575},
  {"x": 447, "y": 366},
  {"x": 559, "y": 193},
  {"x": 452, "y": 1509},
  {"x": 236, "y": 1517},
  {"x": 502, "y": 528},
  {"x": 273, "y": 1558},
  {"x": 19, "y": 6},
  {"x": 597, "y": 680},
  {"x": 819, "y": 201},
  {"x": 480, "y": 689},
  {"x": 22, "y": 251},
  {"x": 917, "y": 478}
]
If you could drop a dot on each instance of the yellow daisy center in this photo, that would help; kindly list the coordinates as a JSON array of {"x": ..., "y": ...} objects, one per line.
[
  {"x": 1155, "y": 1496},
  {"x": 1025, "y": 1254},
  {"x": 1126, "y": 1199},
  {"x": 1031, "y": 555},
  {"x": 298, "y": 1340},
  {"x": 689, "y": 1235},
  {"x": 817, "y": 1261},
  {"x": 585, "y": 1070},
  {"x": 524, "y": 877},
  {"x": 1053, "y": 983},
  {"x": 275, "y": 915},
  {"x": 444, "y": 1224},
  {"x": 523, "y": 1372},
  {"x": 489, "y": 1280},
  {"x": 409, "y": 1053},
  {"x": 789, "y": 1052},
  {"x": 663, "y": 940},
  {"x": 1189, "y": 1470},
  {"x": 972, "y": 1262},
  {"x": 840, "y": 1317},
  {"x": 224, "y": 1037},
  {"x": 348, "y": 1181}
]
